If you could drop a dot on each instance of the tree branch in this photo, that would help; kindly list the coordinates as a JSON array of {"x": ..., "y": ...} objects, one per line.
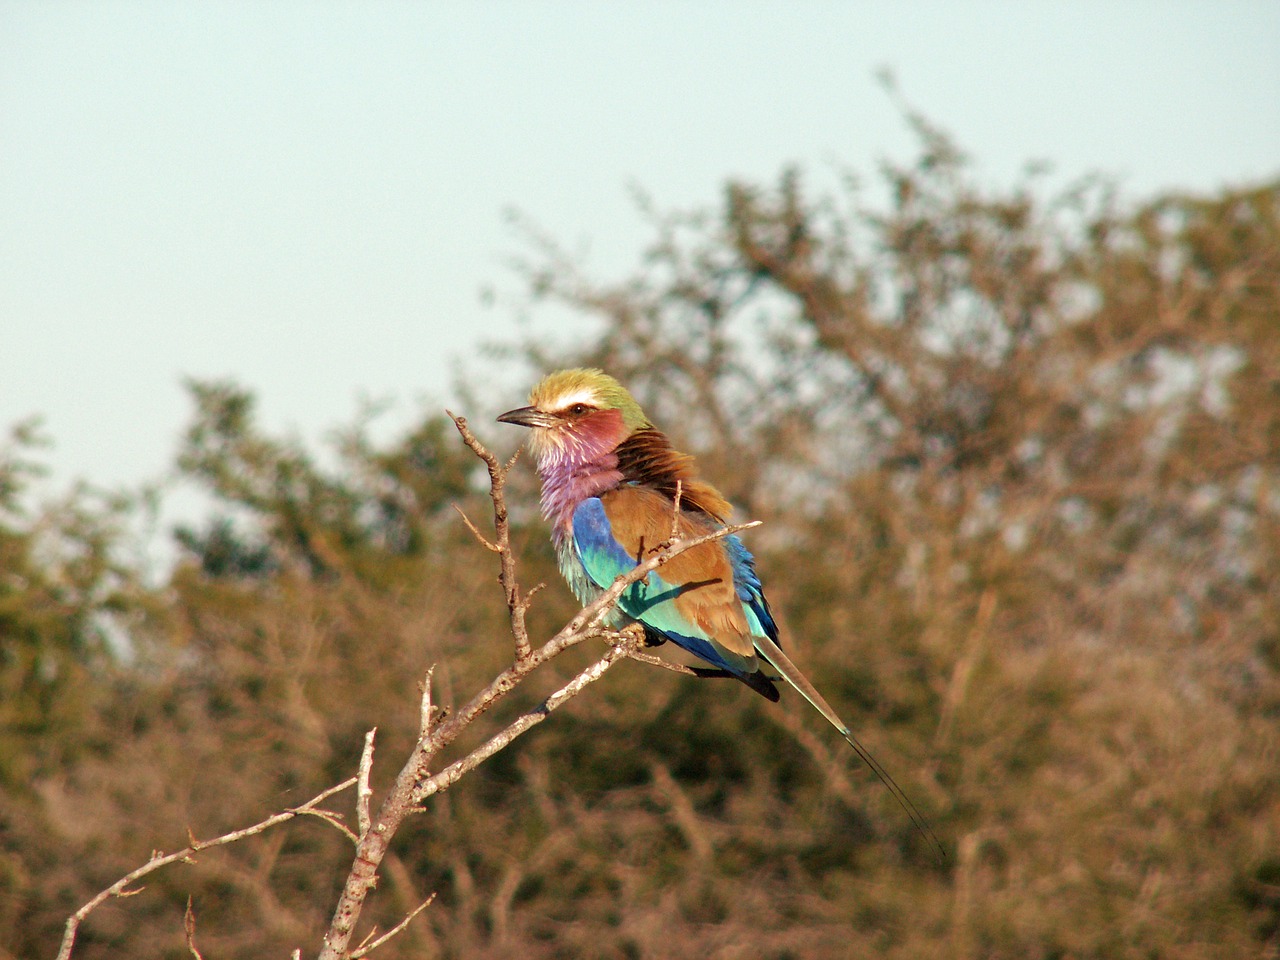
[
  {"x": 415, "y": 783},
  {"x": 424, "y": 711},
  {"x": 516, "y": 602},
  {"x": 187, "y": 855},
  {"x": 365, "y": 949},
  {"x": 364, "y": 793},
  {"x": 455, "y": 771},
  {"x": 189, "y": 928},
  {"x": 704, "y": 673}
]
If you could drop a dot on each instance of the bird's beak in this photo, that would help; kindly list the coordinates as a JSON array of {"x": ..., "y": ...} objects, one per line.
[{"x": 528, "y": 417}]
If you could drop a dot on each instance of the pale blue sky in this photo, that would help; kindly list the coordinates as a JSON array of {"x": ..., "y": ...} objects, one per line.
[{"x": 309, "y": 197}]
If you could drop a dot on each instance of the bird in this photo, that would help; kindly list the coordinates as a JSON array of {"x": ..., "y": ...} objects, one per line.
[{"x": 614, "y": 491}]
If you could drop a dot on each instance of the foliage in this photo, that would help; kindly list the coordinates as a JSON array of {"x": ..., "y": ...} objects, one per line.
[
  {"x": 67, "y": 597},
  {"x": 1017, "y": 459}
]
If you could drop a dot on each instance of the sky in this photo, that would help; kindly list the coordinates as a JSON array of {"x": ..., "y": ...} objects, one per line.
[{"x": 309, "y": 197}]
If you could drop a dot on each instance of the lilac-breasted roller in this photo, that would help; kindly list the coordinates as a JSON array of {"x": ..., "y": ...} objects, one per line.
[{"x": 609, "y": 486}]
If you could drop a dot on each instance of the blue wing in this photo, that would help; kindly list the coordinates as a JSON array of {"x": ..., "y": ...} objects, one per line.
[{"x": 750, "y": 590}]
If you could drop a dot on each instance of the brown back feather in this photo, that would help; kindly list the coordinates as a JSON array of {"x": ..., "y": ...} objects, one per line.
[
  {"x": 640, "y": 519},
  {"x": 646, "y": 457}
]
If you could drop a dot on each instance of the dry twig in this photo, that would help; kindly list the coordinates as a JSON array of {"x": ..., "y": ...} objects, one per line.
[
  {"x": 189, "y": 928},
  {"x": 367, "y": 948},
  {"x": 364, "y": 793},
  {"x": 187, "y": 855},
  {"x": 516, "y": 602},
  {"x": 424, "y": 711}
]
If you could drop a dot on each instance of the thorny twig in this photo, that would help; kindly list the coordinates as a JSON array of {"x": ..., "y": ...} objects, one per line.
[{"x": 335, "y": 820}]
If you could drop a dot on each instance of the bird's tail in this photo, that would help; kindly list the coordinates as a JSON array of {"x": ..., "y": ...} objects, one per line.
[{"x": 791, "y": 673}]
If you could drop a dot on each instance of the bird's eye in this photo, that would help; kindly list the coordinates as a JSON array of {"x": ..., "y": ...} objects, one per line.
[{"x": 578, "y": 409}]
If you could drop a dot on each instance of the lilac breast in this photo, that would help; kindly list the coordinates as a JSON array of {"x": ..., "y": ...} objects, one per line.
[{"x": 566, "y": 483}]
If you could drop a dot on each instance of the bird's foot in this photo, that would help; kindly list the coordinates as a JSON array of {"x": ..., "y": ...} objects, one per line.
[
  {"x": 636, "y": 634},
  {"x": 631, "y": 637}
]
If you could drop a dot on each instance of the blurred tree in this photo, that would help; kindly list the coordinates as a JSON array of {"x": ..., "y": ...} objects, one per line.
[
  {"x": 62, "y": 583},
  {"x": 1027, "y": 450},
  {"x": 1018, "y": 461},
  {"x": 67, "y": 600}
]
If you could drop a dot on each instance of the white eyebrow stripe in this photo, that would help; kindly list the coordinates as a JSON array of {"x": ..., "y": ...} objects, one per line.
[{"x": 582, "y": 395}]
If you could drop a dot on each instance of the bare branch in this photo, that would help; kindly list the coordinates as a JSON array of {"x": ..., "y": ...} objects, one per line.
[
  {"x": 656, "y": 661},
  {"x": 424, "y": 712},
  {"x": 675, "y": 512},
  {"x": 516, "y": 603},
  {"x": 189, "y": 928},
  {"x": 364, "y": 793},
  {"x": 454, "y": 772},
  {"x": 334, "y": 819},
  {"x": 186, "y": 855},
  {"x": 415, "y": 783},
  {"x": 484, "y": 541},
  {"x": 364, "y": 951}
]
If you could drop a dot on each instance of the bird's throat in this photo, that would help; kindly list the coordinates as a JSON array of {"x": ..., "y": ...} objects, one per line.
[{"x": 566, "y": 483}]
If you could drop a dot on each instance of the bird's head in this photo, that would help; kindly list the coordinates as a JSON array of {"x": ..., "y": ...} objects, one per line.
[{"x": 578, "y": 415}]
